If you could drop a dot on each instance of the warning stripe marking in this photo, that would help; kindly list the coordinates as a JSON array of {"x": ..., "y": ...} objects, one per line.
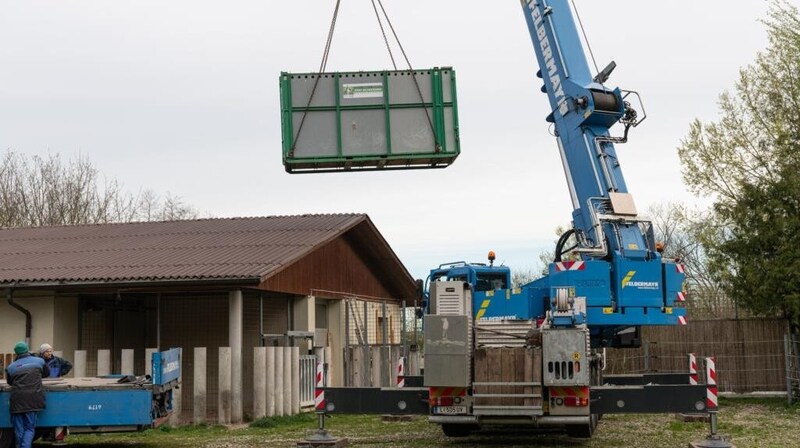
[
  {"x": 711, "y": 381},
  {"x": 570, "y": 266},
  {"x": 436, "y": 392},
  {"x": 580, "y": 392}
]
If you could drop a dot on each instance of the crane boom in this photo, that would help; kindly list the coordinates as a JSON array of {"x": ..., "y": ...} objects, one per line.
[{"x": 621, "y": 280}]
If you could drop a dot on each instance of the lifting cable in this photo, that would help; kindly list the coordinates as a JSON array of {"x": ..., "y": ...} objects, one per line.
[
  {"x": 436, "y": 143},
  {"x": 324, "y": 64},
  {"x": 585, "y": 38}
]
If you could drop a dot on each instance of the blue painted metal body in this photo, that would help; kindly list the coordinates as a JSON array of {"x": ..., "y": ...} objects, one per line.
[
  {"x": 621, "y": 276},
  {"x": 87, "y": 408},
  {"x": 99, "y": 407},
  {"x": 166, "y": 366},
  {"x": 624, "y": 280}
]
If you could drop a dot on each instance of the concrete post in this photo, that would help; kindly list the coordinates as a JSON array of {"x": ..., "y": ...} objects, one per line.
[
  {"x": 279, "y": 411},
  {"x": 331, "y": 365},
  {"x": 79, "y": 366},
  {"x": 259, "y": 382},
  {"x": 148, "y": 360},
  {"x": 287, "y": 380},
  {"x": 295, "y": 380},
  {"x": 413, "y": 362},
  {"x": 126, "y": 364},
  {"x": 236, "y": 316},
  {"x": 103, "y": 362},
  {"x": 200, "y": 381},
  {"x": 224, "y": 397},
  {"x": 269, "y": 372},
  {"x": 376, "y": 365},
  {"x": 177, "y": 396}
]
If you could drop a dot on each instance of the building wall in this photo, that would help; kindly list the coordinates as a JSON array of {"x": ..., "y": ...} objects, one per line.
[
  {"x": 12, "y": 321},
  {"x": 337, "y": 267}
]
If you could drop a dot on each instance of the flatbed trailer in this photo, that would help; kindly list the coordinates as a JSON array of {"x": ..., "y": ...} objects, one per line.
[{"x": 101, "y": 404}]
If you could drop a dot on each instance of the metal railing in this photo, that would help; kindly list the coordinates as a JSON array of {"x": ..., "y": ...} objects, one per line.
[{"x": 308, "y": 371}]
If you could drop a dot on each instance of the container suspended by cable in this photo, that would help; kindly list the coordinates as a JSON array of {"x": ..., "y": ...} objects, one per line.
[{"x": 369, "y": 120}]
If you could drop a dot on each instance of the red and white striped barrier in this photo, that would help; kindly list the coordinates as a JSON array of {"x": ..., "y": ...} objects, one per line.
[
  {"x": 401, "y": 377},
  {"x": 319, "y": 393},
  {"x": 711, "y": 382},
  {"x": 692, "y": 369},
  {"x": 681, "y": 297}
]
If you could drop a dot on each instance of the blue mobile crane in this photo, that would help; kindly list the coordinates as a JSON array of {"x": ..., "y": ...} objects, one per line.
[{"x": 531, "y": 355}]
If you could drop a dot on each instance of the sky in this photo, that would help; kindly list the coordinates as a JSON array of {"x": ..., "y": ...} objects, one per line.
[{"x": 182, "y": 96}]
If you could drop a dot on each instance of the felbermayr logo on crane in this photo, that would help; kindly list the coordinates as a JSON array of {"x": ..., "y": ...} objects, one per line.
[
  {"x": 547, "y": 54},
  {"x": 639, "y": 285}
]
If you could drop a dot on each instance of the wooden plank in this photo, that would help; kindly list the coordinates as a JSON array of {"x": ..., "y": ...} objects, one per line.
[{"x": 481, "y": 375}]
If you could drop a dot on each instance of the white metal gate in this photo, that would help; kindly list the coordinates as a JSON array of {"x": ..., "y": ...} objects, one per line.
[{"x": 308, "y": 371}]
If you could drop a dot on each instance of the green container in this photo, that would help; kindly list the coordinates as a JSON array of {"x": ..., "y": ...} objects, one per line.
[{"x": 369, "y": 120}]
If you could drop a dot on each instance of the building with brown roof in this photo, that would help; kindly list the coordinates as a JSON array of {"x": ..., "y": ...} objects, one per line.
[{"x": 240, "y": 282}]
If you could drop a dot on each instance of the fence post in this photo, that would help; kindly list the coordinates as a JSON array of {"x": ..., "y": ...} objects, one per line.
[
  {"x": 376, "y": 366},
  {"x": 287, "y": 380},
  {"x": 646, "y": 347},
  {"x": 177, "y": 394},
  {"x": 126, "y": 364},
  {"x": 199, "y": 387},
  {"x": 103, "y": 362},
  {"x": 269, "y": 371},
  {"x": 148, "y": 361},
  {"x": 295, "y": 380},
  {"x": 279, "y": 411},
  {"x": 79, "y": 368},
  {"x": 259, "y": 382},
  {"x": 788, "y": 357},
  {"x": 224, "y": 396}
]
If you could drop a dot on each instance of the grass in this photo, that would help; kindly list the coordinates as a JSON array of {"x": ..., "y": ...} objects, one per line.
[{"x": 748, "y": 422}]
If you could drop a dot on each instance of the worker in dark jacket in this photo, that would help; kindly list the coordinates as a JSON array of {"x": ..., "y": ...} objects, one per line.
[
  {"x": 24, "y": 375},
  {"x": 58, "y": 366}
]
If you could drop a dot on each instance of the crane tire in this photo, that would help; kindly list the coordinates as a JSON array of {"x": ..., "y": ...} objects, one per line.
[{"x": 452, "y": 430}]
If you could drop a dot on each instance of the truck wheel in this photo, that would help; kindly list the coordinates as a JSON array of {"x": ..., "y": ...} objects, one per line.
[
  {"x": 451, "y": 430},
  {"x": 583, "y": 431},
  {"x": 6, "y": 438}
]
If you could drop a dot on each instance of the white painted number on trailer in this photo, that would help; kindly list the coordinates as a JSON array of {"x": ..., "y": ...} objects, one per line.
[{"x": 95, "y": 407}]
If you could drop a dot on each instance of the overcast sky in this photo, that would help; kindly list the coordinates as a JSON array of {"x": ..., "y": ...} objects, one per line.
[{"x": 182, "y": 97}]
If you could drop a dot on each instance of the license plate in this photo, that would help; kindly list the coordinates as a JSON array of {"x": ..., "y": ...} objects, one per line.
[{"x": 450, "y": 410}]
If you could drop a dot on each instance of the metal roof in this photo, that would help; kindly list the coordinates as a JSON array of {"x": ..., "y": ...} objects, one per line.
[{"x": 203, "y": 249}]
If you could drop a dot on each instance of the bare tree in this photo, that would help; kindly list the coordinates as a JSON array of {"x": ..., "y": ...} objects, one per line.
[
  {"x": 40, "y": 191},
  {"x": 683, "y": 232}
]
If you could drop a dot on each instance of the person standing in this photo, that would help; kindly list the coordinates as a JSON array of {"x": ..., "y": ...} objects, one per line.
[
  {"x": 58, "y": 366},
  {"x": 24, "y": 375}
]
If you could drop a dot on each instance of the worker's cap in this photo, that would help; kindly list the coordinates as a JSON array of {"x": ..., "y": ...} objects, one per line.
[
  {"x": 45, "y": 347},
  {"x": 20, "y": 347}
]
